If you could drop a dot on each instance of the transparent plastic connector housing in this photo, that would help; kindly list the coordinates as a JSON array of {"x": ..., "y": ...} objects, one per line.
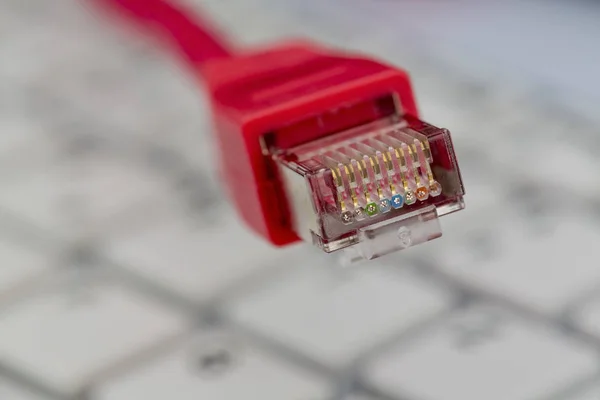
[{"x": 373, "y": 189}]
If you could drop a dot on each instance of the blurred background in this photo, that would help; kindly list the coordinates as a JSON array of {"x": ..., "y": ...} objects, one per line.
[{"x": 125, "y": 274}]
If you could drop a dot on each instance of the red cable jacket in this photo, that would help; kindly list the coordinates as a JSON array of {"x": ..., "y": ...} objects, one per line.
[{"x": 193, "y": 39}]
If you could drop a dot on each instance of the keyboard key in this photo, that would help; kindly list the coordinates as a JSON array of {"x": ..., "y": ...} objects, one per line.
[
  {"x": 230, "y": 369},
  {"x": 589, "y": 394},
  {"x": 62, "y": 336},
  {"x": 532, "y": 153},
  {"x": 23, "y": 147},
  {"x": 542, "y": 270},
  {"x": 544, "y": 169},
  {"x": 10, "y": 391},
  {"x": 78, "y": 195},
  {"x": 360, "y": 397},
  {"x": 482, "y": 353},
  {"x": 19, "y": 264},
  {"x": 587, "y": 316},
  {"x": 190, "y": 259},
  {"x": 333, "y": 317}
]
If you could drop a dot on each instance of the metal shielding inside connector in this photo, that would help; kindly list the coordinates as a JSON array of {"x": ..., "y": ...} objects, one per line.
[{"x": 374, "y": 189}]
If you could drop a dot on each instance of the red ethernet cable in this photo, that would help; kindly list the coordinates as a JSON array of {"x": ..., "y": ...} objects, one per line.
[{"x": 317, "y": 145}]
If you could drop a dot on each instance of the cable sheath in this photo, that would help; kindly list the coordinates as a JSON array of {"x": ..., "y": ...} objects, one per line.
[{"x": 193, "y": 38}]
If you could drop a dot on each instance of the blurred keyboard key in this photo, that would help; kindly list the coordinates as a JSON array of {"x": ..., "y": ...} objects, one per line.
[
  {"x": 360, "y": 397},
  {"x": 482, "y": 353},
  {"x": 10, "y": 391},
  {"x": 79, "y": 195},
  {"x": 218, "y": 366},
  {"x": 587, "y": 316},
  {"x": 592, "y": 393},
  {"x": 334, "y": 317},
  {"x": 507, "y": 257},
  {"x": 64, "y": 335},
  {"x": 18, "y": 263},
  {"x": 193, "y": 260},
  {"x": 23, "y": 146}
]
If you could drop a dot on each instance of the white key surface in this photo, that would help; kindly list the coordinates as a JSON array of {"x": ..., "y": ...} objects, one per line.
[
  {"x": 191, "y": 259},
  {"x": 10, "y": 391},
  {"x": 23, "y": 147},
  {"x": 247, "y": 372},
  {"x": 19, "y": 263},
  {"x": 335, "y": 317},
  {"x": 482, "y": 353},
  {"x": 587, "y": 316},
  {"x": 65, "y": 335},
  {"x": 592, "y": 393},
  {"x": 75, "y": 196},
  {"x": 542, "y": 270}
]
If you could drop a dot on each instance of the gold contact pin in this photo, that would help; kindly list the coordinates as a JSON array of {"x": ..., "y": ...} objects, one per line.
[
  {"x": 361, "y": 170},
  {"x": 350, "y": 171},
  {"x": 415, "y": 158},
  {"x": 336, "y": 176},
  {"x": 356, "y": 172},
  {"x": 400, "y": 155},
  {"x": 375, "y": 165},
  {"x": 427, "y": 167},
  {"x": 387, "y": 159},
  {"x": 339, "y": 183},
  {"x": 363, "y": 164},
  {"x": 427, "y": 151}
]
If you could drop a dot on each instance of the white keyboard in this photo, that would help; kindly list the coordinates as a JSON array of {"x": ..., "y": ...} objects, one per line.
[{"x": 125, "y": 274}]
